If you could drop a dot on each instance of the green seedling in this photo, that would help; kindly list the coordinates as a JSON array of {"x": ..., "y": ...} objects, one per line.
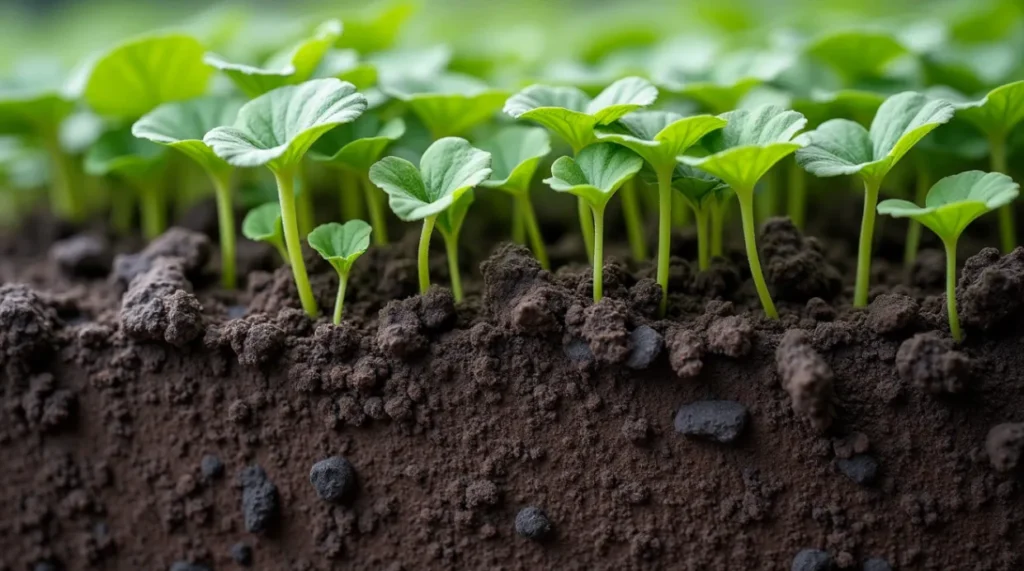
[
  {"x": 996, "y": 115},
  {"x": 659, "y": 137},
  {"x": 341, "y": 245},
  {"x": 449, "y": 223},
  {"x": 263, "y": 224},
  {"x": 594, "y": 176},
  {"x": 275, "y": 130},
  {"x": 752, "y": 142},
  {"x": 951, "y": 205},
  {"x": 182, "y": 126},
  {"x": 141, "y": 164},
  {"x": 448, "y": 169},
  {"x": 346, "y": 66},
  {"x": 721, "y": 86},
  {"x": 856, "y": 54},
  {"x": 291, "y": 66},
  {"x": 573, "y": 115},
  {"x": 449, "y": 104},
  {"x": 705, "y": 194},
  {"x": 843, "y": 147},
  {"x": 353, "y": 148},
  {"x": 137, "y": 76},
  {"x": 516, "y": 152},
  {"x": 377, "y": 30}
]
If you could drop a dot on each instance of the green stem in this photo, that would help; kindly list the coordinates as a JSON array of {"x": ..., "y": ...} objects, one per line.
[
  {"x": 286, "y": 195},
  {"x": 1007, "y": 221},
  {"x": 634, "y": 221},
  {"x": 533, "y": 230},
  {"x": 153, "y": 210},
  {"x": 339, "y": 302},
  {"x": 351, "y": 198},
  {"x": 518, "y": 224},
  {"x": 226, "y": 222},
  {"x": 664, "y": 232},
  {"x": 304, "y": 202},
  {"x": 451, "y": 248},
  {"x": 680, "y": 212},
  {"x": 701, "y": 217},
  {"x": 377, "y": 215},
  {"x": 867, "y": 231},
  {"x": 954, "y": 318},
  {"x": 64, "y": 200},
  {"x": 598, "y": 253},
  {"x": 586, "y": 226},
  {"x": 122, "y": 208},
  {"x": 768, "y": 203},
  {"x": 424, "y": 252},
  {"x": 913, "y": 242},
  {"x": 746, "y": 198},
  {"x": 796, "y": 202},
  {"x": 717, "y": 227}
]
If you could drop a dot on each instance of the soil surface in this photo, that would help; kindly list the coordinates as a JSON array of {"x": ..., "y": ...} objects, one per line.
[{"x": 150, "y": 420}]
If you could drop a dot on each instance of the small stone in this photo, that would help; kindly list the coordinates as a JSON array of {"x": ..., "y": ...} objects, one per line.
[
  {"x": 241, "y": 553},
  {"x": 211, "y": 467},
  {"x": 44, "y": 566},
  {"x": 876, "y": 564},
  {"x": 719, "y": 420},
  {"x": 1005, "y": 446},
  {"x": 578, "y": 351},
  {"x": 260, "y": 503},
  {"x": 83, "y": 255},
  {"x": 482, "y": 493},
  {"x": 533, "y": 523},
  {"x": 812, "y": 560},
  {"x": 645, "y": 346},
  {"x": 186, "y": 566},
  {"x": 861, "y": 468},
  {"x": 333, "y": 478}
]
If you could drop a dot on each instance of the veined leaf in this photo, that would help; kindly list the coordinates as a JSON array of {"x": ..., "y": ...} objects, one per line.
[
  {"x": 119, "y": 153},
  {"x": 263, "y": 224},
  {"x": 449, "y": 104},
  {"x": 346, "y": 66},
  {"x": 359, "y": 144},
  {"x": 660, "y": 136},
  {"x": 182, "y": 126},
  {"x": 341, "y": 244},
  {"x": 394, "y": 65},
  {"x": 722, "y": 84},
  {"x": 516, "y": 152},
  {"x": 697, "y": 186},
  {"x": 856, "y": 54},
  {"x": 450, "y": 221},
  {"x": 375, "y": 32},
  {"x": 998, "y": 112},
  {"x": 596, "y": 172}
]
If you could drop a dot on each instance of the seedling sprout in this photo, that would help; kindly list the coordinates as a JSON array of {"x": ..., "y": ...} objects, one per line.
[
  {"x": 139, "y": 163},
  {"x": 263, "y": 224},
  {"x": 341, "y": 245}
]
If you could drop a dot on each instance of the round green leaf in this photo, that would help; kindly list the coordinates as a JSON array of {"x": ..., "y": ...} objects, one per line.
[
  {"x": 119, "y": 153},
  {"x": 660, "y": 136},
  {"x": 448, "y": 169},
  {"x": 516, "y": 152},
  {"x": 998, "y": 112},
  {"x": 182, "y": 126},
  {"x": 596, "y": 172},
  {"x": 625, "y": 95},
  {"x": 341, "y": 244},
  {"x": 359, "y": 144},
  {"x": 856, "y": 54},
  {"x": 393, "y": 65},
  {"x": 277, "y": 128},
  {"x": 136, "y": 76},
  {"x": 345, "y": 65},
  {"x": 697, "y": 186},
  {"x": 450, "y": 221},
  {"x": 375, "y": 32},
  {"x": 263, "y": 223},
  {"x": 449, "y": 104},
  {"x": 23, "y": 113}
]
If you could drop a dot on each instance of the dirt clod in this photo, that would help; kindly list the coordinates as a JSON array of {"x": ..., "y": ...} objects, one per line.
[
  {"x": 333, "y": 478},
  {"x": 929, "y": 362},
  {"x": 192, "y": 248},
  {"x": 730, "y": 336},
  {"x": 27, "y": 325},
  {"x": 260, "y": 503},
  {"x": 892, "y": 313},
  {"x": 482, "y": 493},
  {"x": 83, "y": 255},
  {"x": 991, "y": 288},
  {"x": 685, "y": 350},
  {"x": 1005, "y": 446},
  {"x": 533, "y": 523},
  {"x": 806, "y": 377},
  {"x": 721, "y": 421},
  {"x": 159, "y": 305},
  {"x": 812, "y": 560},
  {"x": 605, "y": 327},
  {"x": 795, "y": 266}
]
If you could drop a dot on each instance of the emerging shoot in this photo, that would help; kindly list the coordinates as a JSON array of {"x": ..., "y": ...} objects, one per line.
[
  {"x": 263, "y": 224},
  {"x": 141, "y": 164},
  {"x": 449, "y": 223},
  {"x": 341, "y": 245},
  {"x": 703, "y": 193}
]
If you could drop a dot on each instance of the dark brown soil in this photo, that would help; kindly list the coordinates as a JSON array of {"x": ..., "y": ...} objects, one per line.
[{"x": 150, "y": 421}]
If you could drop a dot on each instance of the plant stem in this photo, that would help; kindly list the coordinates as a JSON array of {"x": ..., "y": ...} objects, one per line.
[
  {"x": 451, "y": 248},
  {"x": 64, "y": 200},
  {"x": 121, "y": 209},
  {"x": 913, "y": 242},
  {"x": 664, "y": 232},
  {"x": 1007, "y": 221},
  {"x": 768, "y": 203},
  {"x": 586, "y": 226},
  {"x": 954, "y": 318},
  {"x": 377, "y": 215},
  {"x": 304, "y": 201},
  {"x": 226, "y": 222},
  {"x": 634, "y": 221},
  {"x": 701, "y": 217},
  {"x": 424, "y": 252},
  {"x": 153, "y": 210},
  {"x": 867, "y": 231},
  {"x": 533, "y": 230},
  {"x": 680, "y": 213},
  {"x": 518, "y": 232},
  {"x": 717, "y": 227},
  {"x": 746, "y": 198},
  {"x": 796, "y": 202},
  {"x": 339, "y": 302},
  {"x": 351, "y": 198},
  {"x": 598, "y": 253},
  {"x": 286, "y": 195}
]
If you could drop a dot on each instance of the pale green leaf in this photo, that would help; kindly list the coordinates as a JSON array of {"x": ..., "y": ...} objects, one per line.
[
  {"x": 449, "y": 104},
  {"x": 263, "y": 223},
  {"x": 378, "y": 31},
  {"x": 24, "y": 113},
  {"x": 998, "y": 112},
  {"x": 625, "y": 95},
  {"x": 393, "y": 65},
  {"x": 450, "y": 221},
  {"x": 516, "y": 152},
  {"x": 182, "y": 125},
  {"x": 359, "y": 144},
  {"x": 345, "y": 65},
  {"x": 596, "y": 172},
  {"x": 121, "y": 154},
  {"x": 341, "y": 244},
  {"x": 660, "y": 136},
  {"x": 697, "y": 186},
  {"x": 856, "y": 54}
]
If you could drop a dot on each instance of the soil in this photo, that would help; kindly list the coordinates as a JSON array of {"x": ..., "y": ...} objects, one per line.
[{"x": 150, "y": 420}]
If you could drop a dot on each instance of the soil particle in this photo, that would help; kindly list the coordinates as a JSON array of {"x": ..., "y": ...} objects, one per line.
[
  {"x": 862, "y": 469},
  {"x": 796, "y": 266},
  {"x": 806, "y": 377},
  {"x": 255, "y": 340},
  {"x": 404, "y": 325},
  {"x": 646, "y": 344},
  {"x": 820, "y": 310},
  {"x": 533, "y": 523},
  {"x": 721, "y": 421},
  {"x": 333, "y": 478},
  {"x": 892, "y": 313},
  {"x": 1005, "y": 446},
  {"x": 520, "y": 295},
  {"x": 211, "y": 467},
  {"x": 606, "y": 329},
  {"x": 28, "y": 325},
  {"x": 83, "y": 255},
  {"x": 578, "y": 351},
  {"x": 44, "y": 407},
  {"x": 929, "y": 362},
  {"x": 685, "y": 351},
  {"x": 159, "y": 305},
  {"x": 730, "y": 336},
  {"x": 846, "y": 447},
  {"x": 260, "y": 503},
  {"x": 192, "y": 248},
  {"x": 637, "y": 431},
  {"x": 482, "y": 493},
  {"x": 241, "y": 554},
  {"x": 812, "y": 560},
  {"x": 991, "y": 288},
  {"x": 876, "y": 564},
  {"x": 929, "y": 269}
]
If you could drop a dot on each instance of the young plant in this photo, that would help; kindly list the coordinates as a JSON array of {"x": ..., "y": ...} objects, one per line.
[
  {"x": 275, "y": 130},
  {"x": 448, "y": 169},
  {"x": 704, "y": 194},
  {"x": 449, "y": 223},
  {"x": 289, "y": 67},
  {"x": 353, "y": 148},
  {"x": 723, "y": 83},
  {"x": 516, "y": 152},
  {"x": 181, "y": 126},
  {"x": 752, "y": 142},
  {"x": 594, "y": 176},
  {"x": 341, "y": 245},
  {"x": 843, "y": 147},
  {"x": 141, "y": 164},
  {"x": 346, "y": 66},
  {"x": 573, "y": 115},
  {"x": 856, "y": 55},
  {"x": 448, "y": 104},
  {"x": 951, "y": 205},
  {"x": 377, "y": 29},
  {"x": 263, "y": 224},
  {"x": 659, "y": 137}
]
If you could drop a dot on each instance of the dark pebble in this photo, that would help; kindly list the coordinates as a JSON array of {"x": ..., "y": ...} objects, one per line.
[
  {"x": 812, "y": 560},
  {"x": 334, "y": 478},
  {"x": 260, "y": 502},
  {"x": 645, "y": 346},
  {"x": 861, "y": 468},
  {"x": 83, "y": 255},
  {"x": 877, "y": 564},
  {"x": 44, "y": 566},
  {"x": 211, "y": 467},
  {"x": 719, "y": 420},
  {"x": 241, "y": 553},
  {"x": 186, "y": 566},
  {"x": 237, "y": 311},
  {"x": 578, "y": 351},
  {"x": 533, "y": 523}
]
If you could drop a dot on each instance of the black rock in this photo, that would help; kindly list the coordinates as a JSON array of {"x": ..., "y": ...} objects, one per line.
[
  {"x": 876, "y": 564},
  {"x": 44, "y": 566},
  {"x": 812, "y": 560},
  {"x": 211, "y": 467},
  {"x": 862, "y": 469},
  {"x": 186, "y": 566},
  {"x": 83, "y": 255},
  {"x": 533, "y": 523},
  {"x": 645, "y": 346},
  {"x": 241, "y": 553},
  {"x": 260, "y": 503},
  {"x": 719, "y": 420},
  {"x": 334, "y": 478},
  {"x": 578, "y": 351}
]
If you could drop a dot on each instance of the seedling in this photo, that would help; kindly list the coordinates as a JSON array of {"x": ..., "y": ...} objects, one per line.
[
  {"x": 141, "y": 164},
  {"x": 448, "y": 169},
  {"x": 449, "y": 223},
  {"x": 572, "y": 115},
  {"x": 353, "y": 148},
  {"x": 346, "y": 66},
  {"x": 288, "y": 67},
  {"x": 704, "y": 194},
  {"x": 516, "y": 152},
  {"x": 721, "y": 86},
  {"x": 594, "y": 176},
  {"x": 857, "y": 54},
  {"x": 659, "y": 137},
  {"x": 752, "y": 142},
  {"x": 275, "y": 130},
  {"x": 181, "y": 126},
  {"x": 951, "y": 205},
  {"x": 843, "y": 147},
  {"x": 263, "y": 224},
  {"x": 449, "y": 104},
  {"x": 996, "y": 115},
  {"x": 376, "y": 31},
  {"x": 341, "y": 245}
]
